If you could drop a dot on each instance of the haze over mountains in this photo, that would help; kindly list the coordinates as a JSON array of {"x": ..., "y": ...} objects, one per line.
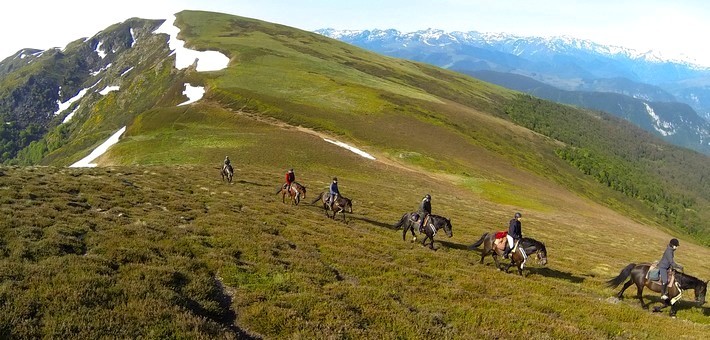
[
  {"x": 152, "y": 243},
  {"x": 570, "y": 65}
]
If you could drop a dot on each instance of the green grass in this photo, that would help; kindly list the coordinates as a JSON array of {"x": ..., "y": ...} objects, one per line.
[{"x": 154, "y": 244}]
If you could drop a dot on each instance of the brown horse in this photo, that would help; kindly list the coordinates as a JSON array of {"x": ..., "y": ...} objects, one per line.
[
  {"x": 227, "y": 173},
  {"x": 526, "y": 247},
  {"x": 637, "y": 275},
  {"x": 341, "y": 205},
  {"x": 297, "y": 192}
]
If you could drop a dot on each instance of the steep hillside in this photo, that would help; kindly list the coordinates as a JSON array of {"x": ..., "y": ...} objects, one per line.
[
  {"x": 154, "y": 244},
  {"x": 672, "y": 121}
]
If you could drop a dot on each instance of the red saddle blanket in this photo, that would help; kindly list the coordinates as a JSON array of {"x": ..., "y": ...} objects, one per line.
[{"x": 500, "y": 240}]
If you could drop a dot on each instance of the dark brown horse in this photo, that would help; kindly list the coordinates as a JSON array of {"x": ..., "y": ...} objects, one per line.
[
  {"x": 227, "y": 173},
  {"x": 297, "y": 192},
  {"x": 526, "y": 247},
  {"x": 340, "y": 205},
  {"x": 637, "y": 275},
  {"x": 410, "y": 222}
]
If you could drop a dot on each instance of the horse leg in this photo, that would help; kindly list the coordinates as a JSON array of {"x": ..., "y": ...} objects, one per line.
[
  {"x": 639, "y": 295},
  {"x": 414, "y": 236},
  {"x": 626, "y": 285}
]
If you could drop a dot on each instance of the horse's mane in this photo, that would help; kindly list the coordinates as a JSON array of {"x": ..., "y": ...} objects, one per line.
[
  {"x": 687, "y": 279},
  {"x": 526, "y": 241}
]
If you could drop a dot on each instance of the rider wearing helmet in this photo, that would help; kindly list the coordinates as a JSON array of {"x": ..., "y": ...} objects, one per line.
[
  {"x": 334, "y": 192},
  {"x": 424, "y": 210},
  {"x": 667, "y": 263},
  {"x": 515, "y": 233},
  {"x": 227, "y": 163}
]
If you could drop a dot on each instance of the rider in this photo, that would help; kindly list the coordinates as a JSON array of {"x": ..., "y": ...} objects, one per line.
[
  {"x": 334, "y": 192},
  {"x": 515, "y": 233},
  {"x": 227, "y": 163},
  {"x": 290, "y": 178},
  {"x": 424, "y": 210},
  {"x": 667, "y": 263}
]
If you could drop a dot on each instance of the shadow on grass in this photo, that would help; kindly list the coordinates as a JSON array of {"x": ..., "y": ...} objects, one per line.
[
  {"x": 373, "y": 222},
  {"x": 548, "y": 272},
  {"x": 453, "y": 245},
  {"x": 685, "y": 305}
]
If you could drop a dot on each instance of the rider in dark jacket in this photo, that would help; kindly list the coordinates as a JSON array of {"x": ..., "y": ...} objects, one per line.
[
  {"x": 515, "y": 233},
  {"x": 334, "y": 192},
  {"x": 667, "y": 263},
  {"x": 227, "y": 163},
  {"x": 424, "y": 210}
]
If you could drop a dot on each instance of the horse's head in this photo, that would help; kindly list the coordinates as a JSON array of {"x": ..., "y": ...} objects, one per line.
[
  {"x": 542, "y": 255},
  {"x": 700, "y": 291},
  {"x": 348, "y": 205},
  {"x": 448, "y": 227}
]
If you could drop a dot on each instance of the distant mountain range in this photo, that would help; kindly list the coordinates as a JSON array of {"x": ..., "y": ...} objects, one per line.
[{"x": 567, "y": 64}]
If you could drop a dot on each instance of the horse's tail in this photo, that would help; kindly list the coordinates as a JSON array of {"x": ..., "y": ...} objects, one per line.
[
  {"x": 622, "y": 276},
  {"x": 401, "y": 222},
  {"x": 479, "y": 242},
  {"x": 317, "y": 198}
]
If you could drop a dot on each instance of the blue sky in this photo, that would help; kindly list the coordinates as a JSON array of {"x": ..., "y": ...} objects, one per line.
[{"x": 674, "y": 28}]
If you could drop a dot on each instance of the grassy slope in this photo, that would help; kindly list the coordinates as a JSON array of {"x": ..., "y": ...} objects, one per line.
[{"x": 164, "y": 236}]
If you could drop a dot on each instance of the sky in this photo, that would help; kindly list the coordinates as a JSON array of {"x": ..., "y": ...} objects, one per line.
[{"x": 676, "y": 29}]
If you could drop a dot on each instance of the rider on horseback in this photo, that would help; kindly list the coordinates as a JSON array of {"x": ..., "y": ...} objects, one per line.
[
  {"x": 424, "y": 210},
  {"x": 290, "y": 178},
  {"x": 515, "y": 233},
  {"x": 667, "y": 263},
  {"x": 227, "y": 163},
  {"x": 334, "y": 192}
]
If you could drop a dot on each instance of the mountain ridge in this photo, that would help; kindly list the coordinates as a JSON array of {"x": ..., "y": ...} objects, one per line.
[{"x": 154, "y": 243}]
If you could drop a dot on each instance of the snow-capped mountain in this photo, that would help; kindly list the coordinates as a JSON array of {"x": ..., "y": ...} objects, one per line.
[{"x": 565, "y": 63}]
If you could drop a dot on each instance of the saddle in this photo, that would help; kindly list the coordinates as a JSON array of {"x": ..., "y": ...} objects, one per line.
[
  {"x": 416, "y": 218},
  {"x": 654, "y": 275}
]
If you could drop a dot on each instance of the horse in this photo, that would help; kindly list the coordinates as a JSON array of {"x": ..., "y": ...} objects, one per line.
[
  {"x": 297, "y": 192},
  {"x": 341, "y": 205},
  {"x": 637, "y": 275},
  {"x": 527, "y": 245},
  {"x": 227, "y": 173},
  {"x": 410, "y": 221}
]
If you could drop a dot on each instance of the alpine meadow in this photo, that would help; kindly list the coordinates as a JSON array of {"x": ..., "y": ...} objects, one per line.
[{"x": 153, "y": 243}]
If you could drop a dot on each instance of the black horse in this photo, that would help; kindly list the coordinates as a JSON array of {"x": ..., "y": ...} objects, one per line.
[
  {"x": 227, "y": 173},
  {"x": 637, "y": 275},
  {"x": 340, "y": 205},
  {"x": 518, "y": 258},
  {"x": 410, "y": 221}
]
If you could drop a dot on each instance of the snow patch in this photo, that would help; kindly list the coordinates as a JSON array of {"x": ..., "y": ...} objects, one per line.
[
  {"x": 108, "y": 89},
  {"x": 101, "y": 53},
  {"x": 133, "y": 37},
  {"x": 351, "y": 148},
  {"x": 67, "y": 104},
  {"x": 86, "y": 161},
  {"x": 70, "y": 115},
  {"x": 664, "y": 128},
  {"x": 94, "y": 73},
  {"x": 126, "y": 71},
  {"x": 184, "y": 57},
  {"x": 194, "y": 93}
]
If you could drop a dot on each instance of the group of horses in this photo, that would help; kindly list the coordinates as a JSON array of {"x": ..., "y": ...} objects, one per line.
[
  {"x": 297, "y": 191},
  {"x": 636, "y": 273}
]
